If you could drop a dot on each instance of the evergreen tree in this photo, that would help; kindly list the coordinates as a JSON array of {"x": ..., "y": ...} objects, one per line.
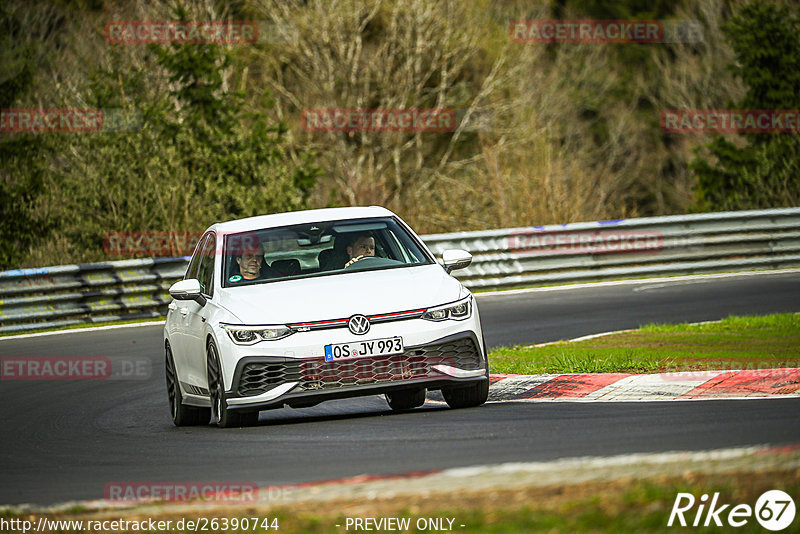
[
  {"x": 764, "y": 172},
  {"x": 21, "y": 171},
  {"x": 188, "y": 157}
]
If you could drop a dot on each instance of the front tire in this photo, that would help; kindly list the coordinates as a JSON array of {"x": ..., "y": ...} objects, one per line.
[
  {"x": 467, "y": 396},
  {"x": 182, "y": 415},
  {"x": 225, "y": 417},
  {"x": 406, "y": 399}
]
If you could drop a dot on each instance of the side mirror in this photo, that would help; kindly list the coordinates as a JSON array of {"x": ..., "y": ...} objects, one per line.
[
  {"x": 188, "y": 290},
  {"x": 456, "y": 259}
]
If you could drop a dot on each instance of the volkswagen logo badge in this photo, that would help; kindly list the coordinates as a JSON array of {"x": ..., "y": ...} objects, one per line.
[{"x": 358, "y": 324}]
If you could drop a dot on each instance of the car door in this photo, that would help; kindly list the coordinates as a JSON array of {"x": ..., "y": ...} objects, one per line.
[
  {"x": 196, "y": 315},
  {"x": 177, "y": 315}
]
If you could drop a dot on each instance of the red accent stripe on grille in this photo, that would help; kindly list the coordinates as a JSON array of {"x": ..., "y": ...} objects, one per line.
[
  {"x": 344, "y": 321},
  {"x": 398, "y": 314},
  {"x": 318, "y": 323}
]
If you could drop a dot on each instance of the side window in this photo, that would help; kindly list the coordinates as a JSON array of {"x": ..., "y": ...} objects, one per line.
[
  {"x": 380, "y": 249},
  {"x": 399, "y": 252},
  {"x": 194, "y": 263},
  {"x": 206, "y": 273}
]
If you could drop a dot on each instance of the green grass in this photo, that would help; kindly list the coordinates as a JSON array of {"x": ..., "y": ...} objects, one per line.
[
  {"x": 641, "y": 505},
  {"x": 751, "y": 342}
]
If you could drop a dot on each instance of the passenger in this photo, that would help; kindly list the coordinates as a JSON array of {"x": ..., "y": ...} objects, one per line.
[{"x": 362, "y": 246}]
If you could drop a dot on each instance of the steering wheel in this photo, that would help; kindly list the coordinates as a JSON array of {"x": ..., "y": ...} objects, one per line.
[{"x": 364, "y": 258}]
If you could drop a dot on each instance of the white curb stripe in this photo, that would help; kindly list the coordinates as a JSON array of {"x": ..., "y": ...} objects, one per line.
[
  {"x": 652, "y": 387},
  {"x": 79, "y": 330},
  {"x": 637, "y": 281}
]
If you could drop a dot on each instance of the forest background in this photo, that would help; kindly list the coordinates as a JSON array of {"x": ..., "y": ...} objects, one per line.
[{"x": 546, "y": 132}]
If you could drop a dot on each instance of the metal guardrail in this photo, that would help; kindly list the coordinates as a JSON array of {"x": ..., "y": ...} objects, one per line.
[
  {"x": 33, "y": 299},
  {"x": 627, "y": 248}
]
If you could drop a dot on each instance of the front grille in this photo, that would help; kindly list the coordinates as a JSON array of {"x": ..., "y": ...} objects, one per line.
[
  {"x": 258, "y": 378},
  {"x": 317, "y": 374}
]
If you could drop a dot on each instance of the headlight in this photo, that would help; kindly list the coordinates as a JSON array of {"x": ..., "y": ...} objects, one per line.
[
  {"x": 249, "y": 335},
  {"x": 458, "y": 311}
]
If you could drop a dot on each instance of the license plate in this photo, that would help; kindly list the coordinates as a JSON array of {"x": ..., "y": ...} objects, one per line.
[{"x": 364, "y": 349}]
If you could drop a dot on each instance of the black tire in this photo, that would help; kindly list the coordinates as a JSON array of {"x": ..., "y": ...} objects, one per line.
[
  {"x": 406, "y": 399},
  {"x": 182, "y": 415},
  {"x": 225, "y": 417},
  {"x": 467, "y": 396}
]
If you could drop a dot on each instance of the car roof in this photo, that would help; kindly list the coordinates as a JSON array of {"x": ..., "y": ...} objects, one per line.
[{"x": 300, "y": 217}]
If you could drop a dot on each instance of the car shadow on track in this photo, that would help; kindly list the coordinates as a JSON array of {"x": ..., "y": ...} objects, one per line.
[
  {"x": 350, "y": 409},
  {"x": 360, "y": 408}
]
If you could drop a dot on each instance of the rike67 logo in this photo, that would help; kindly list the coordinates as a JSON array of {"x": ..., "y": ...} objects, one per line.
[{"x": 774, "y": 510}]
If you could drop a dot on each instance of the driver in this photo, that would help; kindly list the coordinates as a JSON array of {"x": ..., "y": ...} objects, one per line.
[
  {"x": 249, "y": 260},
  {"x": 363, "y": 245}
]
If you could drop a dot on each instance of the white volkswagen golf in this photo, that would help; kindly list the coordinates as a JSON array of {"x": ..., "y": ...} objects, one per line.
[{"x": 293, "y": 309}]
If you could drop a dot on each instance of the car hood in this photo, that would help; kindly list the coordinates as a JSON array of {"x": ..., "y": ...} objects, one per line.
[{"x": 342, "y": 295}]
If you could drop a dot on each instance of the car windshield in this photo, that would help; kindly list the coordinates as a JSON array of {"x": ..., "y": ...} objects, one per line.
[{"x": 318, "y": 249}]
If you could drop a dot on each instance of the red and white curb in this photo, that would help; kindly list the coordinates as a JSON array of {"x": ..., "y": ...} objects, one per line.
[{"x": 757, "y": 383}]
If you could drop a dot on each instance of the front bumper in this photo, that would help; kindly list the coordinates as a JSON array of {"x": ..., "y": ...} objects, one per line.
[{"x": 263, "y": 382}]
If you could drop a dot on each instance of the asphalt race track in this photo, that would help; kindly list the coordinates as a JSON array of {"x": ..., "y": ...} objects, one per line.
[
  {"x": 542, "y": 316},
  {"x": 65, "y": 441}
]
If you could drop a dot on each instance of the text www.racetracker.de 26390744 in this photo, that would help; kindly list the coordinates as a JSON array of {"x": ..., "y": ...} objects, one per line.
[{"x": 199, "y": 524}]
